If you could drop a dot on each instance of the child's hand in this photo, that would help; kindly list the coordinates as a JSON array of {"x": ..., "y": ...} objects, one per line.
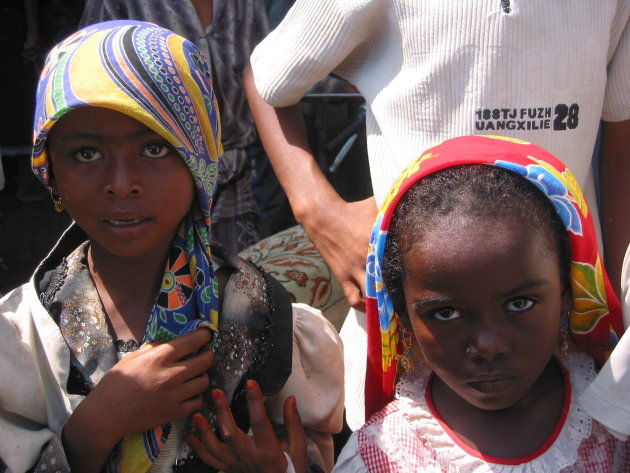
[
  {"x": 240, "y": 453},
  {"x": 156, "y": 385},
  {"x": 150, "y": 387}
]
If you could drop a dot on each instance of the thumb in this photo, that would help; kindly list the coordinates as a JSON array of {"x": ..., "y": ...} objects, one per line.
[
  {"x": 148, "y": 346},
  {"x": 141, "y": 349},
  {"x": 295, "y": 435}
]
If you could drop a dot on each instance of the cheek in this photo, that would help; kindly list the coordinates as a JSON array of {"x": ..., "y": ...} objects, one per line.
[
  {"x": 549, "y": 334},
  {"x": 438, "y": 349},
  {"x": 187, "y": 189},
  {"x": 65, "y": 180},
  {"x": 173, "y": 175},
  {"x": 54, "y": 170},
  {"x": 71, "y": 187},
  {"x": 178, "y": 189}
]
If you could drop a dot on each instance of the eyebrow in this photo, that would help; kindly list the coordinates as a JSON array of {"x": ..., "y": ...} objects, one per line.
[
  {"x": 528, "y": 284},
  {"x": 431, "y": 300},
  {"x": 441, "y": 300}
]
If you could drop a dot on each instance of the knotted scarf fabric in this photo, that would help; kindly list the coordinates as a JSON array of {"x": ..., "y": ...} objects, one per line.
[
  {"x": 595, "y": 320},
  {"x": 160, "y": 79}
]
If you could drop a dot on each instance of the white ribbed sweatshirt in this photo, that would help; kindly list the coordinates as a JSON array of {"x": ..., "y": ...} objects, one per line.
[{"x": 541, "y": 70}]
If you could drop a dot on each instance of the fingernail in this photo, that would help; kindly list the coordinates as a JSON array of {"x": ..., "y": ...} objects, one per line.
[{"x": 197, "y": 419}]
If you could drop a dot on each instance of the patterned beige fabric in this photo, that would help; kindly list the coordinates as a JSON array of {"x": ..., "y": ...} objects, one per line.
[{"x": 291, "y": 257}]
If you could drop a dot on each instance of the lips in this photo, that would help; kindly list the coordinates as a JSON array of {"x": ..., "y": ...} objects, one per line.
[
  {"x": 120, "y": 222},
  {"x": 125, "y": 221},
  {"x": 493, "y": 383},
  {"x": 122, "y": 218}
]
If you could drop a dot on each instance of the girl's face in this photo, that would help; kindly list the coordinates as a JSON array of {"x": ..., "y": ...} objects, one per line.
[
  {"x": 121, "y": 182},
  {"x": 484, "y": 299}
]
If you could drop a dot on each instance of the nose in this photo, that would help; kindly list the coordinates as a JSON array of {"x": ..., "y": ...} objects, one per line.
[
  {"x": 488, "y": 343},
  {"x": 123, "y": 178}
]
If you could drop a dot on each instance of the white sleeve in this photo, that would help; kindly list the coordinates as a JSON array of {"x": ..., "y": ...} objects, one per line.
[
  {"x": 290, "y": 467},
  {"x": 316, "y": 381},
  {"x": 313, "y": 40},
  {"x": 349, "y": 460},
  {"x": 617, "y": 99},
  {"x": 316, "y": 378},
  {"x": 606, "y": 399},
  {"x": 33, "y": 360},
  {"x": 625, "y": 288}
]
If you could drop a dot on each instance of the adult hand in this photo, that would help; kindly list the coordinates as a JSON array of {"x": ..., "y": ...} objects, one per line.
[
  {"x": 152, "y": 386},
  {"x": 341, "y": 232},
  {"x": 239, "y": 452}
]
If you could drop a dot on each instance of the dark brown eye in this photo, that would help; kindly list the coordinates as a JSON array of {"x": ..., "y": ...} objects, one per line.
[
  {"x": 87, "y": 155},
  {"x": 445, "y": 314},
  {"x": 520, "y": 304},
  {"x": 156, "y": 150}
]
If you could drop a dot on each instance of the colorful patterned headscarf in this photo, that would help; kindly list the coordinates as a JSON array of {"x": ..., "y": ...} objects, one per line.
[
  {"x": 160, "y": 79},
  {"x": 595, "y": 320}
]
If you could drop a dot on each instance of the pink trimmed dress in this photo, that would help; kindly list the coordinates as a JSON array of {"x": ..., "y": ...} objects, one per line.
[{"x": 408, "y": 436}]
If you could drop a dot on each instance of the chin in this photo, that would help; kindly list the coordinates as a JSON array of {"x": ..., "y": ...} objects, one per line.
[
  {"x": 492, "y": 405},
  {"x": 492, "y": 402},
  {"x": 127, "y": 250}
]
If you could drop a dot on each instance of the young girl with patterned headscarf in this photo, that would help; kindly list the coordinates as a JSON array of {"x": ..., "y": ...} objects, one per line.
[
  {"x": 138, "y": 332},
  {"x": 488, "y": 310}
]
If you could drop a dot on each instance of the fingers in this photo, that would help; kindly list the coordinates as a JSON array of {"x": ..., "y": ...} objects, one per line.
[
  {"x": 193, "y": 404},
  {"x": 174, "y": 354},
  {"x": 258, "y": 419},
  {"x": 195, "y": 387},
  {"x": 207, "y": 446},
  {"x": 141, "y": 350},
  {"x": 185, "y": 345},
  {"x": 353, "y": 295},
  {"x": 196, "y": 365},
  {"x": 236, "y": 451},
  {"x": 184, "y": 371},
  {"x": 227, "y": 426},
  {"x": 295, "y": 433},
  {"x": 192, "y": 373},
  {"x": 263, "y": 434}
]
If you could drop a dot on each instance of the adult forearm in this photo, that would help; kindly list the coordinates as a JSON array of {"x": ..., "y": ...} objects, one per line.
[
  {"x": 614, "y": 169},
  {"x": 283, "y": 135},
  {"x": 340, "y": 230}
]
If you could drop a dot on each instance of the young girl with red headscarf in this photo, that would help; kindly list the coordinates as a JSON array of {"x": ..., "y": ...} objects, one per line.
[{"x": 488, "y": 312}]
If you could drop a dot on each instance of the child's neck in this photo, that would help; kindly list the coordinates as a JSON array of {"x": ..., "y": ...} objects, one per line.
[
  {"x": 514, "y": 432},
  {"x": 128, "y": 288}
]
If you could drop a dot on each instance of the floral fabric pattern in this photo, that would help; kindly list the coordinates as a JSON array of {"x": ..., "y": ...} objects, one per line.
[{"x": 291, "y": 258}]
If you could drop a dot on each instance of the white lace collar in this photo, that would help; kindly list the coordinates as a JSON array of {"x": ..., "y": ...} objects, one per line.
[{"x": 561, "y": 453}]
